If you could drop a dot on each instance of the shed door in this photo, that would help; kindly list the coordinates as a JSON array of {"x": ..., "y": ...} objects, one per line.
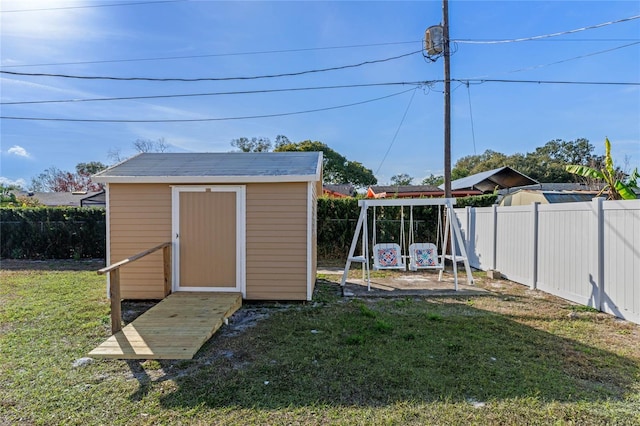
[{"x": 209, "y": 238}]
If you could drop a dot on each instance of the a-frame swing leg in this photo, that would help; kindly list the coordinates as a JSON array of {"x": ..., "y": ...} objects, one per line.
[
  {"x": 463, "y": 251},
  {"x": 445, "y": 244},
  {"x": 456, "y": 234},
  {"x": 361, "y": 226}
]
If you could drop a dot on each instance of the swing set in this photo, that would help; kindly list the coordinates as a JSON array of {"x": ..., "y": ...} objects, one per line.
[{"x": 421, "y": 255}]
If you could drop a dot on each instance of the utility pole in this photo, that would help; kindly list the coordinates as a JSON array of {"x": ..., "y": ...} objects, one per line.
[{"x": 447, "y": 99}]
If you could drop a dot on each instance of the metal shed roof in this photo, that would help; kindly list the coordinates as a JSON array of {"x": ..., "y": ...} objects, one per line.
[
  {"x": 503, "y": 177},
  {"x": 215, "y": 167}
]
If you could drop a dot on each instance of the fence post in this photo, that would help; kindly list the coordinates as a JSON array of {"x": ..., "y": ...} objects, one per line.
[
  {"x": 114, "y": 295},
  {"x": 534, "y": 273},
  {"x": 597, "y": 275},
  {"x": 467, "y": 233},
  {"x": 470, "y": 237},
  {"x": 494, "y": 244}
]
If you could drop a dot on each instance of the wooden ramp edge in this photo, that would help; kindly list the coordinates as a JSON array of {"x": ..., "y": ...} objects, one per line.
[{"x": 175, "y": 328}]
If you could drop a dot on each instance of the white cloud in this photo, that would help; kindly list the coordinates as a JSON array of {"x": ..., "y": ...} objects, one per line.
[
  {"x": 59, "y": 32},
  {"x": 18, "y": 182},
  {"x": 18, "y": 151},
  {"x": 56, "y": 24}
]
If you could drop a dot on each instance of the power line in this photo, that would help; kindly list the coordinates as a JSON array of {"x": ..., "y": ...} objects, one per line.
[
  {"x": 193, "y": 120},
  {"x": 597, "y": 83},
  {"x": 213, "y": 55},
  {"x": 562, "y": 40},
  {"x": 187, "y": 95},
  {"x": 397, "y": 131},
  {"x": 514, "y": 40},
  {"x": 292, "y": 74},
  {"x": 461, "y": 82},
  {"x": 576, "y": 57},
  {"x": 268, "y": 52},
  {"x": 473, "y": 132},
  {"x": 563, "y": 60},
  {"x": 92, "y": 6}
]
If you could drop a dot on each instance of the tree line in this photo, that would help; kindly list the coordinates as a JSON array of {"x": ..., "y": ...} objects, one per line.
[
  {"x": 545, "y": 164},
  {"x": 336, "y": 168}
]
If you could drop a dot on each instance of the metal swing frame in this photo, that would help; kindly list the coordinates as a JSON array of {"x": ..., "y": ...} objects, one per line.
[{"x": 451, "y": 229}]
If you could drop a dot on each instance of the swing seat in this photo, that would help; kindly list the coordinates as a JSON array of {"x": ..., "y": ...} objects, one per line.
[
  {"x": 424, "y": 256},
  {"x": 388, "y": 256}
]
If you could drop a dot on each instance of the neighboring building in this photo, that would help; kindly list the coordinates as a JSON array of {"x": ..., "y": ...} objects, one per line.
[
  {"x": 98, "y": 199},
  {"x": 238, "y": 222},
  {"x": 404, "y": 191},
  {"x": 339, "y": 191},
  {"x": 413, "y": 191},
  {"x": 527, "y": 196},
  {"x": 67, "y": 199},
  {"x": 548, "y": 193},
  {"x": 565, "y": 186},
  {"x": 489, "y": 181}
]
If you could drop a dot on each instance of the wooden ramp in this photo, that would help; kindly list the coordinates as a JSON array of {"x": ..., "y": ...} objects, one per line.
[{"x": 173, "y": 329}]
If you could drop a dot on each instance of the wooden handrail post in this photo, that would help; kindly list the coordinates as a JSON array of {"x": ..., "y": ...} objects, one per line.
[
  {"x": 114, "y": 294},
  {"x": 166, "y": 260},
  {"x": 114, "y": 280}
]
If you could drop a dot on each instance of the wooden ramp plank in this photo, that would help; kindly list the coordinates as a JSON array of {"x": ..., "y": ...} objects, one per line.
[{"x": 173, "y": 329}]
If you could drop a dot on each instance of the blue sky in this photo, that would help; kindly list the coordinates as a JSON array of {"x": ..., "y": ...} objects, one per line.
[{"x": 231, "y": 39}]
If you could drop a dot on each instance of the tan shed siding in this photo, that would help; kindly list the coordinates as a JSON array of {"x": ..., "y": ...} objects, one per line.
[
  {"x": 277, "y": 241},
  {"x": 139, "y": 218},
  {"x": 314, "y": 235}
]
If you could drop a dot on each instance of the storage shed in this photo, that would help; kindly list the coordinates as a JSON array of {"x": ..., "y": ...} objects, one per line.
[{"x": 237, "y": 222}]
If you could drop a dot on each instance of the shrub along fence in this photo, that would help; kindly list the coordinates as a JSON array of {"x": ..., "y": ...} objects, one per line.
[
  {"x": 52, "y": 233},
  {"x": 337, "y": 219},
  {"x": 79, "y": 233}
]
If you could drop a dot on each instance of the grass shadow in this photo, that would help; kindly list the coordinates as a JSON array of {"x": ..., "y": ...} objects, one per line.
[
  {"x": 51, "y": 265},
  {"x": 144, "y": 381}
]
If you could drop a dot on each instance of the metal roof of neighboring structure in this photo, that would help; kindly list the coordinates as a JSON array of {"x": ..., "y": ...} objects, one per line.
[
  {"x": 215, "y": 167},
  {"x": 414, "y": 191},
  {"x": 58, "y": 199},
  {"x": 528, "y": 196},
  {"x": 502, "y": 177},
  {"x": 403, "y": 191},
  {"x": 99, "y": 199},
  {"x": 564, "y": 186},
  {"x": 399, "y": 189},
  {"x": 568, "y": 197},
  {"x": 339, "y": 190}
]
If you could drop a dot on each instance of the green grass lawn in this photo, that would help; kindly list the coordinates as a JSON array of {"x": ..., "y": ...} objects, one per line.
[{"x": 512, "y": 357}]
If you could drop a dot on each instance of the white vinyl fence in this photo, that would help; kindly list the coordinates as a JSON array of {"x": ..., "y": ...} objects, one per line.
[{"x": 587, "y": 252}]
